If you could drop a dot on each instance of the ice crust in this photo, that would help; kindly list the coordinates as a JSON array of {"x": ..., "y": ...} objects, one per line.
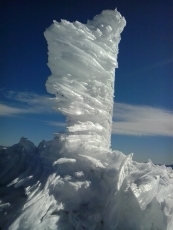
[{"x": 76, "y": 181}]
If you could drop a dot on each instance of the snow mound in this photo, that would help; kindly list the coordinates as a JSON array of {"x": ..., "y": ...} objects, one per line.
[
  {"x": 76, "y": 181},
  {"x": 76, "y": 191}
]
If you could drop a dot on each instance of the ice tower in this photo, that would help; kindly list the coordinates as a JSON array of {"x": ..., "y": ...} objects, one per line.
[
  {"x": 82, "y": 59},
  {"x": 75, "y": 181}
]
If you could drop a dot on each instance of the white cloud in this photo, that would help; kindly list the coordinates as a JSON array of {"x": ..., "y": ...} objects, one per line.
[
  {"x": 31, "y": 99},
  {"x": 6, "y": 110},
  {"x": 142, "y": 120},
  {"x": 59, "y": 124},
  {"x": 128, "y": 119},
  {"x": 26, "y": 102},
  {"x": 153, "y": 66}
]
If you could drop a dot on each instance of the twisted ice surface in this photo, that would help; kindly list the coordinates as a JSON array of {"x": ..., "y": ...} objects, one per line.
[
  {"x": 82, "y": 59},
  {"x": 76, "y": 181}
]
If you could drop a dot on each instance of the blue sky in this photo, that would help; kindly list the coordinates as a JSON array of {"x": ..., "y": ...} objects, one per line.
[{"x": 143, "y": 111}]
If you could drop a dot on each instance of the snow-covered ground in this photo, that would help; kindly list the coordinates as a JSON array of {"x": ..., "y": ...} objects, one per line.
[
  {"x": 75, "y": 181},
  {"x": 43, "y": 188}
]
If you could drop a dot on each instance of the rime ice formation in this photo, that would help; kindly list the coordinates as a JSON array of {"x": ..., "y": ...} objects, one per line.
[
  {"x": 75, "y": 181},
  {"x": 82, "y": 59}
]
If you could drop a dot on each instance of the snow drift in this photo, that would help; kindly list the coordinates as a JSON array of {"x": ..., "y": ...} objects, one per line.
[{"x": 76, "y": 181}]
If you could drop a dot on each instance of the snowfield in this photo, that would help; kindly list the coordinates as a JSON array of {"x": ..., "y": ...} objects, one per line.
[{"x": 75, "y": 181}]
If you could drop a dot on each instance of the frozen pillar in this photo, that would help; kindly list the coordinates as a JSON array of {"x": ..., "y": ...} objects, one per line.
[{"x": 82, "y": 60}]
